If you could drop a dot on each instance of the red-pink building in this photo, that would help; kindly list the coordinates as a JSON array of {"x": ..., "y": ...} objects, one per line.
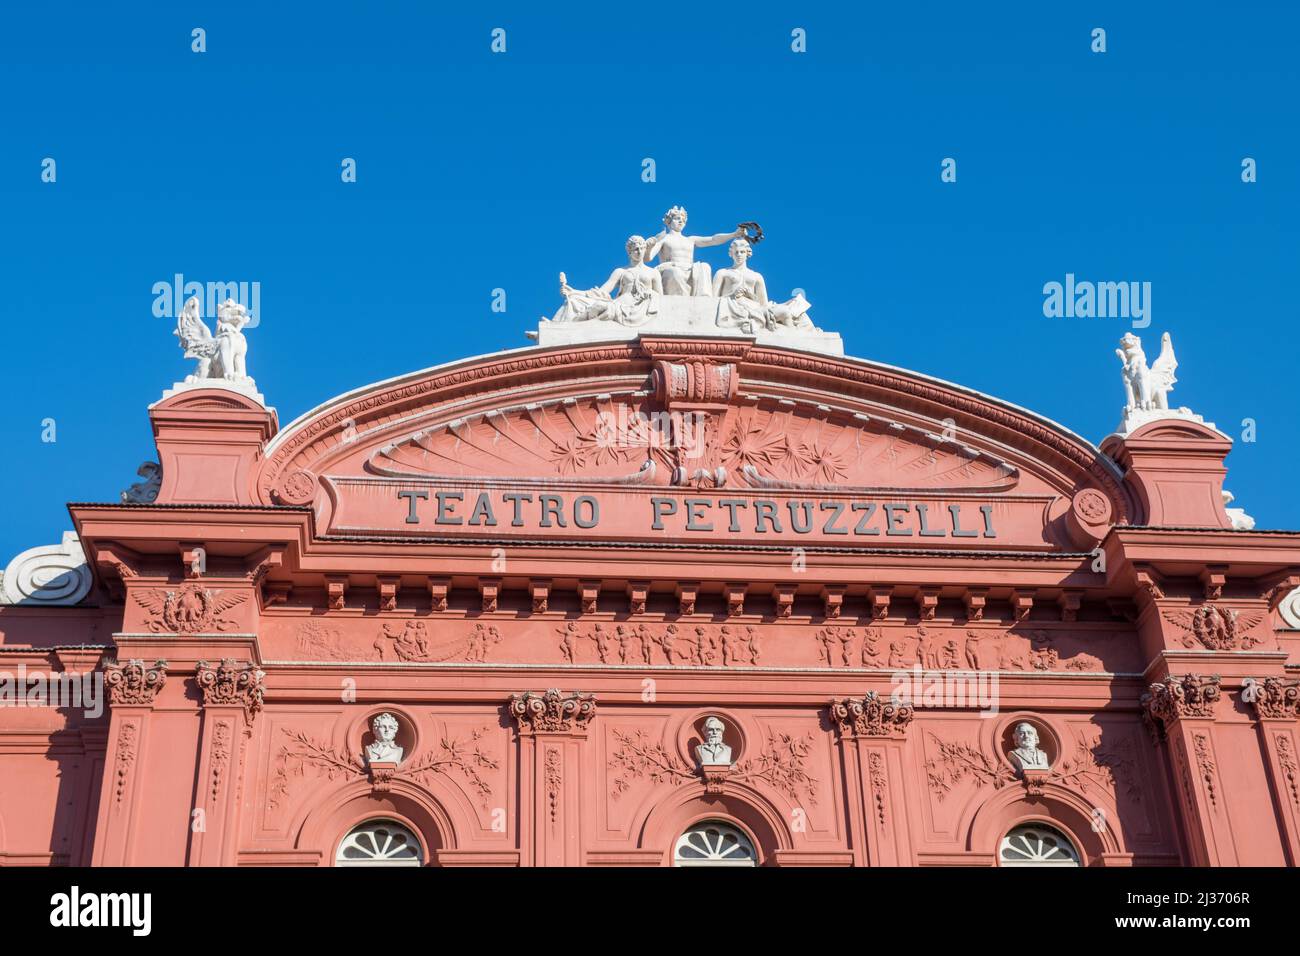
[{"x": 667, "y": 600}]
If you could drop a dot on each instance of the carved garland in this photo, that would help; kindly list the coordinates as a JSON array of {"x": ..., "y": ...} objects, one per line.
[
  {"x": 1095, "y": 765},
  {"x": 782, "y": 764},
  {"x": 220, "y": 756},
  {"x": 127, "y": 740},
  {"x": 452, "y": 754}
]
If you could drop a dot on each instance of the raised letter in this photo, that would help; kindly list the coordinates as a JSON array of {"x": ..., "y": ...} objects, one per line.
[{"x": 410, "y": 496}]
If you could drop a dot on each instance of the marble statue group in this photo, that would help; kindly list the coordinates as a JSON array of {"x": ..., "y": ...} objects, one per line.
[{"x": 637, "y": 293}]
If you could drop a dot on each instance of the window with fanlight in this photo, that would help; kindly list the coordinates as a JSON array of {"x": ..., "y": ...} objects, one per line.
[
  {"x": 714, "y": 843},
  {"x": 1035, "y": 844},
  {"x": 379, "y": 843}
]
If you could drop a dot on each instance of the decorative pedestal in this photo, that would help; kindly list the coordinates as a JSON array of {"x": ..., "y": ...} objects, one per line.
[
  {"x": 381, "y": 774},
  {"x": 715, "y": 777}
]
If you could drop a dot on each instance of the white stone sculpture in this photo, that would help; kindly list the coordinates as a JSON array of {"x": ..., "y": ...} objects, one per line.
[
  {"x": 742, "y": 297},
  {"x": 714, "y": 751},
  {"x": 1147, "y": 387},
  {"x": 1240, "y": 520},
  {"x": 682, "y": 297},
  {"x": 682, "y": 275},
  {"x": 639, "y": 289},
  {"x": 384, "y": 749},
  {"x": 145, "y": 492},
  {"x": 51, "y": 575},
  {"x": 221, "y": 358},
  {"x": 1027, "y": 755}
]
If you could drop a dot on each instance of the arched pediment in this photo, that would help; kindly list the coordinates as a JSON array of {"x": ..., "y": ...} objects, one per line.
[{"x": 718, "y": 437}]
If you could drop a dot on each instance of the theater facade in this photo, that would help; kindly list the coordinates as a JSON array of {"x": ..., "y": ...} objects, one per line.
[{"x": 678, "y": 584}]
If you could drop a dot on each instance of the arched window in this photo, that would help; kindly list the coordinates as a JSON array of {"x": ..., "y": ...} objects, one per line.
[
  {"x": 714, "y": 843},
  {"x": 379, "y": 843},
  {"x": 1036, "y": 844}
]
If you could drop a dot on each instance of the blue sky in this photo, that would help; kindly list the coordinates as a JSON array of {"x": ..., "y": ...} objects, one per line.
[{"x": 478, "y": 171}]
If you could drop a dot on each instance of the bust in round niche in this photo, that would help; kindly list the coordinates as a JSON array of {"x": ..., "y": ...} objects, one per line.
[
  {"x": 714, "y": 751},
  {"x": 1026, "y": 754},
  {"x": 384, "y": 748}
]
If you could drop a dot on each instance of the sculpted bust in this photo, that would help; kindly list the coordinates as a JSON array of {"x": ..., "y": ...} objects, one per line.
[
  {"x": 713, "y": 751},
  {"x": 384, "y": 749},
  {"x": 1027, "y": 755}
]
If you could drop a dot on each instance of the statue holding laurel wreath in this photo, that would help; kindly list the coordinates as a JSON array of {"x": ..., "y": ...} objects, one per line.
[{"x": 681, "y": 274}]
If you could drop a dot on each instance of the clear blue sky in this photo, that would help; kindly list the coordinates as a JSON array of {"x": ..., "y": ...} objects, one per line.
[{"x": 478, "y": 171}]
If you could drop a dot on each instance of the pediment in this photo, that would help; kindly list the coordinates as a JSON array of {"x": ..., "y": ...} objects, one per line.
[{"x": 626, "y": 427}]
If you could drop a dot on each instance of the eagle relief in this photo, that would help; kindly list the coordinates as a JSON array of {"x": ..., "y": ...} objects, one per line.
[{"x": 189, "y": 609}]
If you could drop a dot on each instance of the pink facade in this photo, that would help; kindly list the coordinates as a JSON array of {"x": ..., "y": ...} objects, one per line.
[{"x": 663, "y": 531}]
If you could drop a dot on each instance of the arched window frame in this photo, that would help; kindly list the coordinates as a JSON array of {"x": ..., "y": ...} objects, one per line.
[
  {"x": 1027, "y": 840},
  {"x": 718, "y": 843},
  {"x": 380, "y": 842}
]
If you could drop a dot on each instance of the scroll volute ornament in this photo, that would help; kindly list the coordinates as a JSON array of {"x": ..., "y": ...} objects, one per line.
[
  {"x": 134, "y": 682},
  {"x": 872, "y": 716},
  {"x": 552, "y": 711},
  {"x": 232, "y": 683},
  {"x": 1178, "y": 697}
]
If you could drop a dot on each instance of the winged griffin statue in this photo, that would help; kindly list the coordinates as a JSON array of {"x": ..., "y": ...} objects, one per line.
[
  {"x": 219, "y": 356},
  {"x": 1146, "y": 387}
]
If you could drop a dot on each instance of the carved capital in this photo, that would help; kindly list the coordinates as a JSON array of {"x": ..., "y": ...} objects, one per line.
[
  {"x": 232, "y": 683},
  {"x": 134, "y": 682},
  {"x": 1274, "y": 698},
  {"x": 552, "y": 712},
  {"x": 1175, "y": 698},
  {"x": 873, "y": 716}
]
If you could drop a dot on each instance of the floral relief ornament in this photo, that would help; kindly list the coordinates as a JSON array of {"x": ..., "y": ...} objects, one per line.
[
  {"x": 1093, "y": 765},
  {"x": 452, "y": 753},
  {"x": 782, "y": 764}
]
